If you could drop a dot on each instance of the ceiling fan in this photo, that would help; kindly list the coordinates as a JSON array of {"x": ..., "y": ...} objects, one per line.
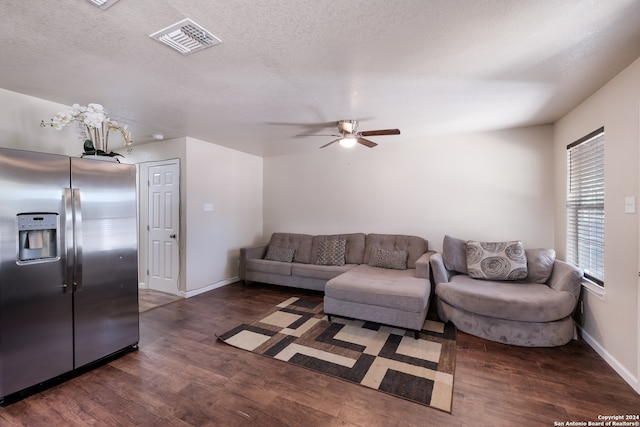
[{"x": 349, "y": 135}]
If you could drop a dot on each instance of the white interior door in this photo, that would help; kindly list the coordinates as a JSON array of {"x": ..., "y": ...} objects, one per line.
[{"x": 164, "y": 226}]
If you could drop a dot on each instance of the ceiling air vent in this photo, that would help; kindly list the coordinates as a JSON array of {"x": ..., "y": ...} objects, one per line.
[
  {"x": 186, "y": 37},
  {"x": 102, "y": 4}
]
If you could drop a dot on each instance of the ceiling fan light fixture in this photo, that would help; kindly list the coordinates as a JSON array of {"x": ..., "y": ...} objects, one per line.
[
  {"x": 348, "y": 126},
  {"x": 347, "y": 141}
]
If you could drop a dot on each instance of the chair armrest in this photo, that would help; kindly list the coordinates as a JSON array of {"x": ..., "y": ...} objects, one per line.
[
  {"x": 422, "y": 265},
  {"x": 440, "y": 273},
  {"x": 254, "y": 252},
  {"x": 566, "y": 278}
]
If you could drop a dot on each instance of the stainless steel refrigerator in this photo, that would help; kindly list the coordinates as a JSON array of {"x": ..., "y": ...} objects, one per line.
[{"x": 68, "y": 265}]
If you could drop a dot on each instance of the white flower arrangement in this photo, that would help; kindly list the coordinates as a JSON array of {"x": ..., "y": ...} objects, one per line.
[{"x": 94, "y": 127}]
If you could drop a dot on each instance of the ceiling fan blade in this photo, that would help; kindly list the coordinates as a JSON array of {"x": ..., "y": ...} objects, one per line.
[
  {"x": 366, "y": 142},
  {"x": 328, "y": 144},
  {"x": 317, "y": 134},
  {"x": 381, "y": 132}
]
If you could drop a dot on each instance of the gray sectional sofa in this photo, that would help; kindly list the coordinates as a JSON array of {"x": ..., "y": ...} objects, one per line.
[
  {"x": 382, "y": 278},
  {"x": 532, "y": 305}
]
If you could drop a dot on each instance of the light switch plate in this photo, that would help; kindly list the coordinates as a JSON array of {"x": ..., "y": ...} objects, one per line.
[
  {"x": 630, "y": 204},
  {"x": 208, "y": 207}
]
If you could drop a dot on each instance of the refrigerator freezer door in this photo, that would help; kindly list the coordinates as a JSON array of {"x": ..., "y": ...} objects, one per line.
[
  {"x": 106, "y": 303},
  {"x": 36, "y": 329}
]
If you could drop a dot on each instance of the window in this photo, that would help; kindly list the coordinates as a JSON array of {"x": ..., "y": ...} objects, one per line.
[{"x": 585, "y": 205}]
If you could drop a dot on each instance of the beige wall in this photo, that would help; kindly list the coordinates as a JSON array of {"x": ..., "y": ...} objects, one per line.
[
  {"x": 231, "y": 181},
  {"x": 610, "y": 322},
  {"x": 486, "y": 186}
]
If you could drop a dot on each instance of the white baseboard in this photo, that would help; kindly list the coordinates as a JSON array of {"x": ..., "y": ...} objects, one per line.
[
  {"x": 194, "y": 292},
  {"x": 621, "y": 370}
]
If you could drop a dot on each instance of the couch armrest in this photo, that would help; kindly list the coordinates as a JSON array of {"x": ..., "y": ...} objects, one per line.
[
  {"x": 254, "y": 252},
  {"x": 422, "y": 265},
  {"x": 440, "y": 273},
  {"x": 566, "y": 278}
]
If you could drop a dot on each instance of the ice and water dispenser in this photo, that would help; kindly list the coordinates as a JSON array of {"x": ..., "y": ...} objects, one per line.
[{"x": 37, "y": 236}]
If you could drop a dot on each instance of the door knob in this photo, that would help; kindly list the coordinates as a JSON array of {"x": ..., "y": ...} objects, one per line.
[{"x": 172, "y": 236}]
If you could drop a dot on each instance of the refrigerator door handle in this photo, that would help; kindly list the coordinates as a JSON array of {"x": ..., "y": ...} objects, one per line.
[
  {"x": 68, "y": 241},
  {"x": 77, "y": 239}
]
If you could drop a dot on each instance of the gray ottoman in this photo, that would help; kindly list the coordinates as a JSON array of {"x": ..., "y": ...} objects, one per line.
[{"x": 391, "y": 297}]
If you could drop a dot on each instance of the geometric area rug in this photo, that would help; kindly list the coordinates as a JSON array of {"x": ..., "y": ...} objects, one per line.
[{"x": 385, "y": 358}]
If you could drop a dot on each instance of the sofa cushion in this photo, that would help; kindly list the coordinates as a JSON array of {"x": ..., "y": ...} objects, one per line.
[
  {"x": 398, "y": 289},
  {"x": 323, "y": 272},
  {"x": 532, "y": 302},
  {"x": 413, "y": 245},
  {"x": 300, "y": 242},
  {"x": 539, "y": 264},
  {"x": 396, "y": 260},
  {"x": 354, "y": 249},
  {"x": 454, "y": 254},
  {"x": 496, "y": 260},
  {"x": 331, "y": 252},
  {"x": 275, "y": 253},
  {"x": 270, "y": 267}
]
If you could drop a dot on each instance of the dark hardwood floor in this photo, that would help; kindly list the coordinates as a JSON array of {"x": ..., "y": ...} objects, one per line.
[
  {"x": 149, "y": 299},
  {"x": 182, "y": 376}
]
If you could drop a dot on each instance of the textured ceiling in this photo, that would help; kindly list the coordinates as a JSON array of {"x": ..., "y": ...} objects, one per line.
[{"x": 424, "y": 66}]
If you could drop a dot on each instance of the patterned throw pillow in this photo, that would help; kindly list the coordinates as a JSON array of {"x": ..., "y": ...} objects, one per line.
[
  {"x": 331, "y": 252},
  {"x": 274, "y": 253},
  {"x": 396, "y": 260},
  {"x": 496, "y": 260}
]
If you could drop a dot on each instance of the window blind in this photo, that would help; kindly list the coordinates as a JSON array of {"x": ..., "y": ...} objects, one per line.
[{"x": 585, "y": 205}]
